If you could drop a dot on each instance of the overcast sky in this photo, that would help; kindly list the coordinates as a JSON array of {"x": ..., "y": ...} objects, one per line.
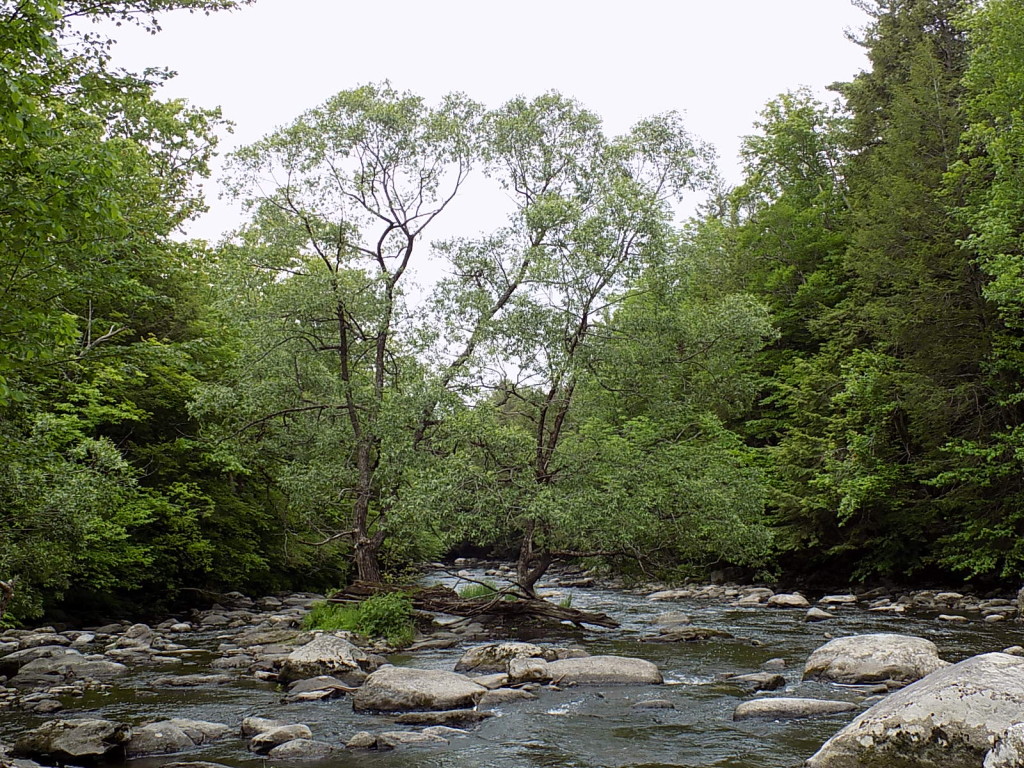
[{"x": 716, "y": 61}]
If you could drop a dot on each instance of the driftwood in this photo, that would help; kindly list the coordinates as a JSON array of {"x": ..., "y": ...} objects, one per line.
[{"x": 440, "y": 599}]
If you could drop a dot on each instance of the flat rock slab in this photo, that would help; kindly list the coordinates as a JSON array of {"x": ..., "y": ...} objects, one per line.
[
  {"x": 495, "y": 657},
  {"x": 404, "y": 689},
  {"x": 949, "y": 719},
  {"x": 789, "y": 708},
  {"x": 600, "y": 670},
  {"x": 71, "y": 740},
  {"x": 785, "y": 600},
  {"x": 873, "y": 658},
  {"x": 192, "y": 681}
]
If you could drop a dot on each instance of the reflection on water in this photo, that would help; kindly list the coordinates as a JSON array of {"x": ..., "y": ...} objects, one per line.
[{"x": 583, "y": 727}]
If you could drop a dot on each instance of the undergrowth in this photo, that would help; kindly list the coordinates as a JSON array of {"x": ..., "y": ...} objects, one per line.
[{"x": 386, "y": 615}]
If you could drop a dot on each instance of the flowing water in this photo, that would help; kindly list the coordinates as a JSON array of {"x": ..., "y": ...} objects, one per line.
[{"x": 575, "y": 727}]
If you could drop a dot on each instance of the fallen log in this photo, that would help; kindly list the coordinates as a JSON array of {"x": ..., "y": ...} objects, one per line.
[{"x": 439, "y": 599}]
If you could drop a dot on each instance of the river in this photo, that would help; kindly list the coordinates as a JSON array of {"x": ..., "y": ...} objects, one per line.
[{"x": 575, "y": 727}]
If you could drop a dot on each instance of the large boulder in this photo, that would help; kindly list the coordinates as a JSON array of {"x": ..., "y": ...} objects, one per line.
[
  {"x": 169, "y": 736},
  {"x": 789, "y": 708},
  {"x": 1008, "y": 751},
  {"x": 74, "y": 740},
  {"x": 326, "y": 655},
  {"x": 495, "y": 657},
  {"x": 949, "y": 719},
  {"x": 589, "y": 670},
  {"x": 873, "y": 659},
  {"x": 68, "y": 666},
  {"x": 404, "y": 689}
]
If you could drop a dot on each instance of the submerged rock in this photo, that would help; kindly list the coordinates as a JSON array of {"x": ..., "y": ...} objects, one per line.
[
  {"x": 949, "y": 719},
  {"x": 789, "y": 708},
  {"x": 449, "y": 717},
  {"x": 265, "y": 741},
  {"x": 874, "y": 658}
]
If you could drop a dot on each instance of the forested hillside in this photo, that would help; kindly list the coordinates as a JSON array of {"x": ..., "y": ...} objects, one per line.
[{"x": 818, "y": 377}]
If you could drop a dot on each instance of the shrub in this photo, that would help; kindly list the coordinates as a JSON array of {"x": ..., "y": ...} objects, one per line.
[{"x": 385, "y": 615}]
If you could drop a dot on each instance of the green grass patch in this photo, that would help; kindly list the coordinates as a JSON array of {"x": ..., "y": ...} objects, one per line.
[
  {"x": 484, "y": 589},
  {"x": 386, "y": 615}
]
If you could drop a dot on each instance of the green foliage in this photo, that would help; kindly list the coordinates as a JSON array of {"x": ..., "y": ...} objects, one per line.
[
  {"x": 387, "y": 615},
  {"x": 332, "y": 617},
  {"x": 486, "y": 589}
]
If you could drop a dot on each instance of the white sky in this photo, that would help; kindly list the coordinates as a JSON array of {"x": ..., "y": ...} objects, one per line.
[{"x": 717, "y": 61}]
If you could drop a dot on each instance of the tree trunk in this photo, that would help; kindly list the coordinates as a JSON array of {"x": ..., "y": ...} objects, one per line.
[{"x": 531, "y": 565}]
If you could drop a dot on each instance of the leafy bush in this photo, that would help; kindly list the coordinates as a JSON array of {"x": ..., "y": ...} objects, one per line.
[
  {"x": 385, "y": 615},
  {"x": 388, "y": 616}
]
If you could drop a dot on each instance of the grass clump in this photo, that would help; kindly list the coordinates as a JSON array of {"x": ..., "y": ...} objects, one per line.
[
  {"x": 387, "y": 615},
  {"x": 483, "y": 589}
]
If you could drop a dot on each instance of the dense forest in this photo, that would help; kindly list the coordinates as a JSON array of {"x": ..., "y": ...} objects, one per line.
[{"x": 820, "y": 377}]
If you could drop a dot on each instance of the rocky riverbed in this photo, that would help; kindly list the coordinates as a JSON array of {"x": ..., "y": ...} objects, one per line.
[{"x": 711, "y": 675}]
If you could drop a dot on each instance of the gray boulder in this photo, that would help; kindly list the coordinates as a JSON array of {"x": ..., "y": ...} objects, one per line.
[
  {"x": 326, "y": 655},
  {"x": 789, "y": 709},
  {"x": 265, "y": 741},
  {"x": 176, "y": 735},
  {"x": 302, "y": 749},
  {"x": 74, "y": 740},
  {"x": 949, "y": 719},
  {"x": 816, "y": 614},
  {"x": 601, "y": 670},
  {"x": 68, "y": 666},
  {"x": 395, "y": 739},
  {"x": 1008, "y": 751},
  {"x": 495, "y": 657},
  {"x": 788, "y": 601},
  {"x": 404, "y": 689},
  {"x": 873, "y": 658}
]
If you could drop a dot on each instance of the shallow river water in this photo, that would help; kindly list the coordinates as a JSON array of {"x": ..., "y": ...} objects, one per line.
[{"x": 576, "y": 727}]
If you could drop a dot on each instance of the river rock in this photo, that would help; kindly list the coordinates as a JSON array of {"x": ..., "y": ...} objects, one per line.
[
  {"x": 160, "y": 738},
  {"x": 69, "y": 666},
  {"x": 495, "y": 657},
  {"x": 601, "y": 670},
  {"x": 317, "y": 689},
  {"x": 192, "y": 681},
  {"x": 785, "y": 600},
  {"x": 302, "y": 749},
  {"x": 789, "y": 709},
  {"x": 501, "y": 696},
  {"x": 684, "y": 634},
  {"x": 265, "y": 741},
  {"x": 139, "y": 636},
  {"x": 670, "y": 594},
  {"x": 74, "y": 740},
  {"x": 326, "y": 655},
  {"x": 394, "y": 739},
  {"x": 838, "y": 600},
  {"x": 653, "y": 704},
  {"x": 949, "y": 719},
  {"x": 404, "y": 689},
  {"x": 450, "y": 717},
  {"x": 12, "y": 662},
  {"x": 671, "y": 619},
  {"x": 874, "y": 658},
  {"x": 252, "y": 726},
  {"x": 1008, "y": 751},
  {"x": 755, "y": 596},
  {"x": 362, "y": 740},
  {"x": 816, "y": 614},
  {"x": 758, "y": 681}
]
